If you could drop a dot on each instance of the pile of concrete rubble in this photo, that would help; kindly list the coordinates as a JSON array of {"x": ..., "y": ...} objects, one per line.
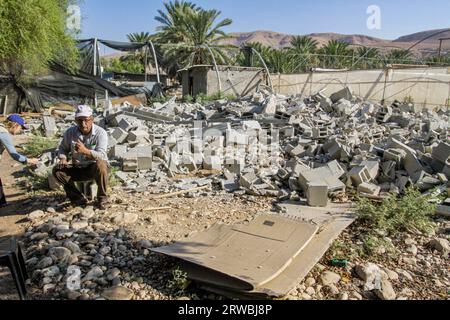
[{"x": 289, "y": 147}]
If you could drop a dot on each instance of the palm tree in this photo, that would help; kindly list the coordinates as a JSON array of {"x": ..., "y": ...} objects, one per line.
[
  {"x": 401, "y": 56},
  {"x": 187, "y": 31},
  {"x": 336, "y": 54},
  {"x": 302, "y": 52},
  {"x": 141, "y": 37},
  {"x": 368, "y": 58}
]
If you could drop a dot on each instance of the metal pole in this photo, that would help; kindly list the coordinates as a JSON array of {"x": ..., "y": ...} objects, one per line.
[
  {"x": 217, "y": 68},
  {"x": 95, "y": 57},
  {"x": 146, "y": 63},
  {"x": 156, "y": 62},
  {"x": 265, "y": 66},
  {"x": 440, "y": 49}
]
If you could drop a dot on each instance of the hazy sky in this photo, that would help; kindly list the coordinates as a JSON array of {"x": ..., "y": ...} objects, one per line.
[{"x": 113, "y": 19}]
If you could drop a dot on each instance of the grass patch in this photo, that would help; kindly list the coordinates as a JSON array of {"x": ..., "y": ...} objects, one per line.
[
  {"x": 409, "y": 213},
  {"x": 38, "y": 145}
]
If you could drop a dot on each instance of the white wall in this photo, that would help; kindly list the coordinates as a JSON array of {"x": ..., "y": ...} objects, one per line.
[{"x": 428, "y": 87}]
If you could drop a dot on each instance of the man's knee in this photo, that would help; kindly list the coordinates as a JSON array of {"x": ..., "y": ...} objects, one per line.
[{"x": 102, "y": 167}]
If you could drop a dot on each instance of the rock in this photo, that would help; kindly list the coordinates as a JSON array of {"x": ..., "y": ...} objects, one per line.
[
  {"x": 51, "y": 210},
  {"x": 50, "y": 271},
  {"x": 77, "y": 225},
  {"x": 36, "y": 215},
  {"x": 329, "y": 277},
  {"x": 44, "y": 263},
  {"x": 60, "y": 254},
  {"x": 94, "y": 273},
  {"x": 370, "y": 273},
  {"x": 305, "y": 296},
  {"x": 72, "y": 260},
  {"x": 409, "y": 241},
  {"x": 113, "y": 273},
  {"x": 392, "y": 275},
  {"x": 386, "y": 291},
  {"x": 88, "y": 212},
  {"x": 331, "y": 289},
  {"x": 73, "y": 295},
  {"x": 403, "y": 274},
  {"x": 72, "y": 246},
  {"x": 145, "y": 244},
  {"x": 38, "y": 236},
  {"x": 116, "y": 281},
  {"x": 310, "y": 282},
  {"x": 343, "y": 296},
  {"x": 441, "y": 245},
  {"x": 125, "y": 218},
  {"x": 356, "y": 295},
  {"x": 412, "y": 249},
  {"x": 310, "y": 291},
  {"x": 48, "y": 287},
  {"x": 117, "y": 293}
]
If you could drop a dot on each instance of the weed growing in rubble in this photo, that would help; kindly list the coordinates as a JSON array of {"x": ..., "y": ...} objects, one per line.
[
  {"x": 37, "y": 145},
  {"x": 180, "y": 281},
  {"x": 113, "y": 180},
  {"x": 408, "y": 213},
  {"x": 374, "y": 245}
]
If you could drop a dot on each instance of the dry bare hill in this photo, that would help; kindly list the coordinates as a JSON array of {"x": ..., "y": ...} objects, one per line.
[{"x": 280, "y": 40}]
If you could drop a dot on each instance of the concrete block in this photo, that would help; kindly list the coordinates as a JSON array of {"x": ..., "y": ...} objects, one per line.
[
  {"x": 126, "y": 125},
  {"x": 212, "y": 163},
  {"x": 118, "y": 151},
  {"x": 317, "y": 194},
  {"x": 396, "y": 155},
  {"x": 319, "y": 133},
  {"x": 236, "y": 138},
  {"x": 120, "y": 135},
  {"x": 441, "y": 153},
  {"x": 369, "y": 188},
  {"x": 270, "y": 107},
  {"x": 297, "y": 151},
  {"x": 138, "y": 136},
  {"x": 235, "y": 165},
  {"x": 341, "y": 94},
  {"x": 247, "y": 180},
  {"x": 373, "y": 167},
  {"x": 50, "y": 128},
  {"x": 188, "y": 162},
  {"x": 359, "y": 174}
]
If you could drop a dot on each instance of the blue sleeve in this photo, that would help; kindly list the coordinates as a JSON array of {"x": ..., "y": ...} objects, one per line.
[{"x": 6, "y": 140}]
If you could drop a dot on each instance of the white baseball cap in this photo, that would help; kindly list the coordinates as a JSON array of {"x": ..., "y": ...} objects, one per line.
[{"x": 83, "y": 111}]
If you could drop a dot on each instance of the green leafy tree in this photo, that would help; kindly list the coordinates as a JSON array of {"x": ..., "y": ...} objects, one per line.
[
  {"x": 33, "y": 33},
  {"x": 400, "y": 56}
]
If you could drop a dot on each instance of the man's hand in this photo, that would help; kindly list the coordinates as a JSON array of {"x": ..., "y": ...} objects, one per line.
[
  {"x": 62, "y": 163},
  {"x": 81, "y": 148},
  {"x": 32, "y": 161}
]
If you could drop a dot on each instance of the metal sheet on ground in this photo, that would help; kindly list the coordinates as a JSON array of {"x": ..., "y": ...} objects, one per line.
[{"x": 256, "y": 254}]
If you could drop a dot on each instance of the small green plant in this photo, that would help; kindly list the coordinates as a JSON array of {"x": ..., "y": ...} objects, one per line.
[
  {"x": 180, "y": 281},
  {"x": 373, "y": 243},
  {"x": 408, "y": 213},
  {"x": 37, "y": 145},
  {"x": 113, "y": 181},
  {"x": 188, "y": 98},
  {"x": 408, "y": 99}
]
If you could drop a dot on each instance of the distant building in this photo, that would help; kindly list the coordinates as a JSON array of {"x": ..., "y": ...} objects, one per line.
[{"x": 237, "y": 81}]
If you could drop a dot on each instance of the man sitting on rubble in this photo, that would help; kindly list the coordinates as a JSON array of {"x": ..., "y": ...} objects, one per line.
[{"x": 86, "y": 143}]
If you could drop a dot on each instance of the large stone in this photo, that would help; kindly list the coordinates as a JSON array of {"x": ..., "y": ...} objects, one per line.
[
  {"x": 441, "y": 245},
  {"x": 329, "y": 277},
  {"x": 95, "y": 273},
  {"x": 117, "y": 293},
  {"x": 59, "y": 253},
  {"x": 36, "y": 214},
  {"x": 125, "y": 218},
  {"x": 386, "y": 291}
]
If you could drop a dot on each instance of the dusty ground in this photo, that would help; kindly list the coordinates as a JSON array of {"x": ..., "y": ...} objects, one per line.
[{"x": 420, "y": 275}]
